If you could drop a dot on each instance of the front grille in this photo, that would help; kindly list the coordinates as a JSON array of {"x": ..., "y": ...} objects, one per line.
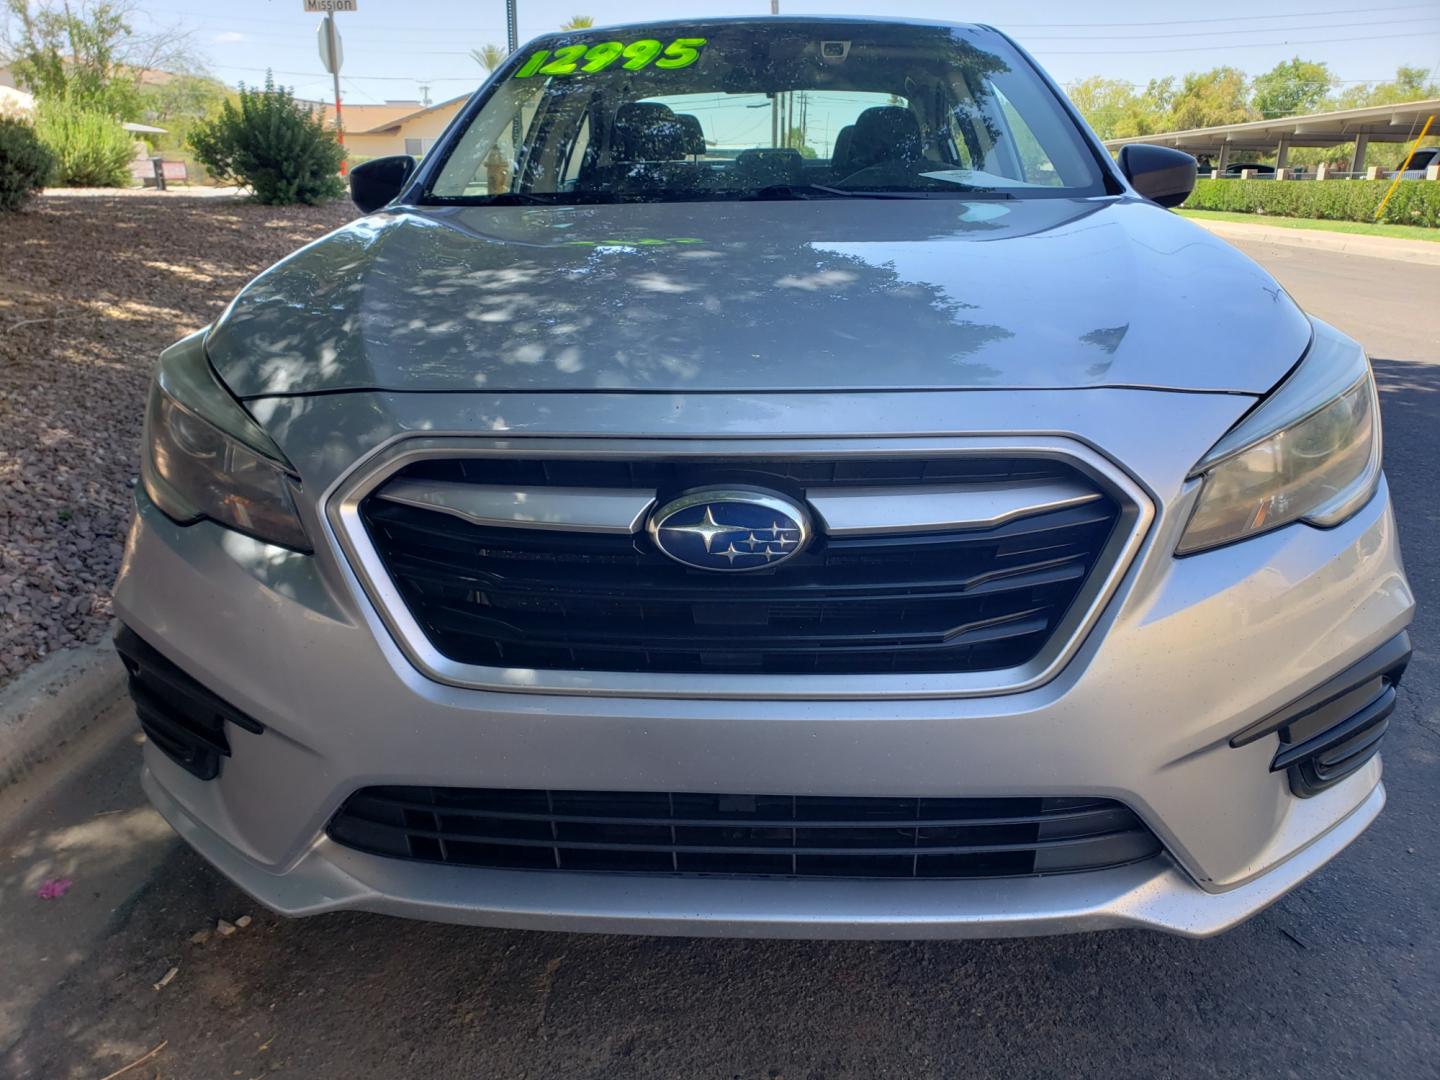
[
  {"x": 749, "y": 835},
  {"x": 960, "y": 600}
]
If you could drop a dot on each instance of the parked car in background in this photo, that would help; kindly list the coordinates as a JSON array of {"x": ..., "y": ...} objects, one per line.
[
  {"x": 1421, "y": 160},
  {"x": 1262, "y": 172},
  {"x": 897, "y": 525}
]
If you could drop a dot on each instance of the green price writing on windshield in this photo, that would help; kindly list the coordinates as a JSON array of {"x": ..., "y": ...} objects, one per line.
[{"x": 589, "y": 59}]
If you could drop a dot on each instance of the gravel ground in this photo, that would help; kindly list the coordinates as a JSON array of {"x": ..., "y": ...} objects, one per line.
[{"x": 90, "y": 291}]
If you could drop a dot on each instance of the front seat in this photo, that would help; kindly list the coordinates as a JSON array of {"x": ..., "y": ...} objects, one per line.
[
  {"x": 885, "y": 134},
  {"x": 648, "y": 131},
  {"x": 694, "y": 134},
  {"x": 840, "y": 152},
  {"x": 768, "y": 167}
]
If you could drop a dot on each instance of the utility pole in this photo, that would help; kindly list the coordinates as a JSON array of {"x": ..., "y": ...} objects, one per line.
[
  {"x": 512, "y": 42},
  {"x": 335, "y": 71},
  {"x": 776, "y": 105}
]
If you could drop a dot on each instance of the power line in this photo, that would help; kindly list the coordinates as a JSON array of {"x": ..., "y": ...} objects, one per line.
[
  {"x": 474, "y": 81},
  {"x": 1233, "y": 18},
  {"x": 226, "y": 19},
  {"x": 418, "y": 49},
  {"x": 1226, "y": 33},
  {"x": 1049, "y": 52},
  {"x": 1189, "y": 22},
  {"x": 1210, "y": 48}
]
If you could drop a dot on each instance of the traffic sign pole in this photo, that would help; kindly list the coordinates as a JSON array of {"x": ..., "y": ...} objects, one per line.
[{"x": 335, "y": 70}]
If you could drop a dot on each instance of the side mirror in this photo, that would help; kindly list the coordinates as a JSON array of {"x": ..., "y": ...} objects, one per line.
[
  {"x": 377, "y": 183},
  {"x": 1159, "y": 173}
]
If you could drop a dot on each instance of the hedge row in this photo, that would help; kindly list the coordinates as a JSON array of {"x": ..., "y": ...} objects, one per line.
[{"x": 1415, "y": 202}]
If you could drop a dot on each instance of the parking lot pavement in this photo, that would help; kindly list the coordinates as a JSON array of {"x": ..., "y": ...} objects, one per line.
[{"x": 1338, "y": 979}]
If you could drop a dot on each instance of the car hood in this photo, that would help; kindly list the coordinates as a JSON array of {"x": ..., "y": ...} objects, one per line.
[{"x": 763, "y": 296}]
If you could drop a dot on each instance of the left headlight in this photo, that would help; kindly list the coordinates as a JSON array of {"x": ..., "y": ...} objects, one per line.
[
  {"x": 1309, "y": 452},
  {"x": 204, "y": 456}
]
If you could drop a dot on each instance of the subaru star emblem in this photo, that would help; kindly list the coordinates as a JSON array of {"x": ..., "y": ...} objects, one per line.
[{"x": 728, "y": 529}]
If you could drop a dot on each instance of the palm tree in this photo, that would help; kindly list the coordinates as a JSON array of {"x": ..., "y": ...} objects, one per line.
[
  {"x": 578, "y": 22},
  {"x": 488, "y": 56}
]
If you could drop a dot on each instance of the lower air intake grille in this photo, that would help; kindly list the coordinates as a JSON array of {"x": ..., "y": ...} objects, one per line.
[{"x": 751, "y": 835}]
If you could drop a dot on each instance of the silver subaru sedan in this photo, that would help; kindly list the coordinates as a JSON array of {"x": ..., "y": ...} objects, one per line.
[{"x": 767, "y": 477}]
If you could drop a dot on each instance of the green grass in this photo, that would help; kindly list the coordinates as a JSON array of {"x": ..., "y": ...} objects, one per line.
[{"x": 1399, "y": 232}]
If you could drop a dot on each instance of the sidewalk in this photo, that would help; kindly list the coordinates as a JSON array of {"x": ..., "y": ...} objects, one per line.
[
  {"x": 1376, "y": 247},
  {"x": 176, "y": 191}
]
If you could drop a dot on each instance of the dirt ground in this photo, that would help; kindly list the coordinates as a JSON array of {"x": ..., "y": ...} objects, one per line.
[{"x": 90, "y": 291}]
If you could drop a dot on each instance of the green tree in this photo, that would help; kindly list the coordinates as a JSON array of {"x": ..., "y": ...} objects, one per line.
[
  {"x": 578, "y": 22},
  {"x": 280, "y": 149},
  {"x": 797, "y": 142},
  {"x": 1115, "y": 110},
  {"x": 1159, "y": 96},
  {"x": 489, "y": 56},
  {"x": 1409, "y": 84},
  {"x": 88, "y": 53},
  {"x": 1208, "y": 98},
  {"x": 177, "y": 104},
  {"x": 90, "y": 147},
  {"x": 1291, "y": 88}
]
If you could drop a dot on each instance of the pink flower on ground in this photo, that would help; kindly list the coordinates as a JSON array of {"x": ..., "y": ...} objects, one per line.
[{"x": 55, "y": 888}]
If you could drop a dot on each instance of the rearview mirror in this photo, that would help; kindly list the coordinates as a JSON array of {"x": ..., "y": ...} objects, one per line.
[
  {"x": 377, "y": 183},
  {"x": 1159, "y": 173}
]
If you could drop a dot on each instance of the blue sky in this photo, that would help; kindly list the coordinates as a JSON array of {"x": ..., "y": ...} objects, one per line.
[{"x": 393, "y": 46}]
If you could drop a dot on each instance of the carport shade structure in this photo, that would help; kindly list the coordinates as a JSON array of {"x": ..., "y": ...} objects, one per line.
[{"x": 1374, "y": 123}]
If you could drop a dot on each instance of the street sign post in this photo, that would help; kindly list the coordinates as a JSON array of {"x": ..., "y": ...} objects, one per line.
[{"x": 332, "y": 54}]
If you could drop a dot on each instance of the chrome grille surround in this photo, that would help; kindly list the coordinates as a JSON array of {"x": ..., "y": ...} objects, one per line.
[{"x": 373, "y": 584}]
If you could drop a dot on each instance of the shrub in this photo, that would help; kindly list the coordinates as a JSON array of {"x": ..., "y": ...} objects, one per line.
[
  {"x": 279, "y": 149},
  {"x": 91, "y": 148},
  {"x": 1415, "y": 202},
  {"x": 25, "y": 164}
]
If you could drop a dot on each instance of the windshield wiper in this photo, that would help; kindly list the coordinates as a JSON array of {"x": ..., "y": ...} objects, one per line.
[
  {"x": 813, "y": 191},
  {"x": 517, "y": 198},
  {"x": 810, "y": 191}
]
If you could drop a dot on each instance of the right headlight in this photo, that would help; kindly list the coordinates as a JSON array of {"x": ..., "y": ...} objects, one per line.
[
  {"x": 206, "y": 458},
  {"x": 1309, "y": 452}
]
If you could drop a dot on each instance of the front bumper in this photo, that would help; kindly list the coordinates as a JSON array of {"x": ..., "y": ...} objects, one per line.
[
  {"x": 1155, "y": 894},
  {"x": 1189, "y": 653}
]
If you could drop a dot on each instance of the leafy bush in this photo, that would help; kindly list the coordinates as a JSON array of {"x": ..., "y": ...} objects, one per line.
[
  {"x": 279, "y": 149},
  {"x": 1415, "y": 202},
  {"x": 91, "y": 148},
  {"x": 25, "y": 164}
]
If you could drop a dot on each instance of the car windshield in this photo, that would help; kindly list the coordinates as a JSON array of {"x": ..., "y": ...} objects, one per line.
[{"x": 812, "y": 108}]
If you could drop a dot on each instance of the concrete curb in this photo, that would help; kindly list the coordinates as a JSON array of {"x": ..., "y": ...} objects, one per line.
[
  {"x": 55, "y": 701},
  {"x": 1376, "y": 247}
]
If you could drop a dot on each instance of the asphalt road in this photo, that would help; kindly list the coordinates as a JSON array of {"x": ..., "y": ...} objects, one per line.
[{"x": 1338, "y": 979}]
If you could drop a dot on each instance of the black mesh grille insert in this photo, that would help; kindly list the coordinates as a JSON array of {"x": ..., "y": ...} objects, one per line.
[
  {"x": 790, "y": 475},
  {"x": 956, "y": 601},
  {"x": 754, "y": 835}
]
